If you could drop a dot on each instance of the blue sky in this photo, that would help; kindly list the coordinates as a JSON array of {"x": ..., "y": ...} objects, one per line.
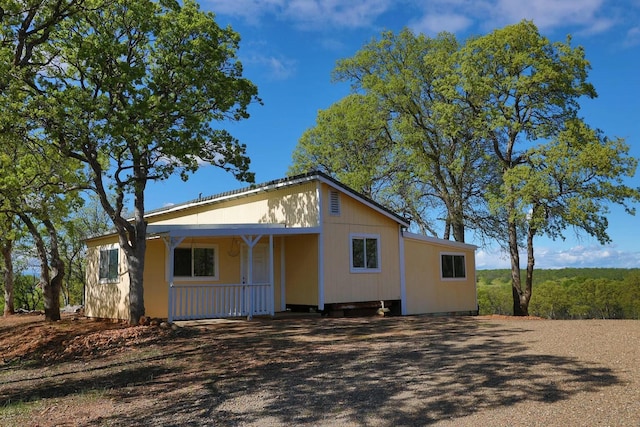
[{"x": 290, "y": 47}]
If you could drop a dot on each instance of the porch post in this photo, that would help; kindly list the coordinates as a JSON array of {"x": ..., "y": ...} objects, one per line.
[
  {"x": 251, "y": 242},
  {"x": 283, "y": 289},
  {"x": 271, "y": 277},
  {"x": 319, "y": 195},
  {"x": 171, "y": 243},
  {"x": 403, "y": 276}
]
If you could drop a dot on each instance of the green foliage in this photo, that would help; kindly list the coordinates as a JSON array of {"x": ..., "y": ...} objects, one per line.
[
  {"x": 494, "y": 297},
  {"x": 134, "y": 90},
  {"x": 555, "y": 171},
  {"x": 350, "y": 140},
  {"x": 403, "y": 137},
  {"x": 571, "y": 293},
  {"x": 27, "y": 293}
]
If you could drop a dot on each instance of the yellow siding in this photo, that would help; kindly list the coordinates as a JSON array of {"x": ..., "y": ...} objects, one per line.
[
  {"x": 426, "y": 291},
  {"x": 111, "y": 300},
  {"x": 301, "y": 260},
  {"x": 341, "y": 285},
  {"x": 294, "y": 206},
  {"x": 298, "y": 206},
  {"x": 106, "y": 300},
  {"x": 229, "y": 265},
  {"x": 156, "y": 289}
]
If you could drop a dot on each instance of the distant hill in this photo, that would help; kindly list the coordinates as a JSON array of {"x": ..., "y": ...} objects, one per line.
[
  {"x": 568, "y": 293},
  {"x": 540, "y": 275}
]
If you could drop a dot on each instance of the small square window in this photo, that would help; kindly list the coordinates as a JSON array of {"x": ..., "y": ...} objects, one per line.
[
  {"x": 365, "y": 253},
  {"x": 453, "y": 266},
  {"x": 108, "y": 265},
  {"x": 195, "y": 262}
]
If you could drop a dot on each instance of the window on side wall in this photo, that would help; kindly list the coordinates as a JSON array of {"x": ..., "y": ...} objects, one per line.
[
  {"x": 453, "y": 266},
  {"x": 108, "y": 271},
  {"x": 196, "y": 262},
  {"x": 365, "y": 253}
]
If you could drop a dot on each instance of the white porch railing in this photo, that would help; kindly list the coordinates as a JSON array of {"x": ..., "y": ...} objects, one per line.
[{"x": 211, "y": 301}]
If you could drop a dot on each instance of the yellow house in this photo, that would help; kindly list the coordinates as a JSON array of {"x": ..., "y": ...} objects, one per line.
[{"x": 304, "y": 242}]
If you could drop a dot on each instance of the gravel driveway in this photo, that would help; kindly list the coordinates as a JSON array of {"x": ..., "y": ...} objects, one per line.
[
  {"x": 398, "y": 371},
  {"x": 438, "y": 371}
]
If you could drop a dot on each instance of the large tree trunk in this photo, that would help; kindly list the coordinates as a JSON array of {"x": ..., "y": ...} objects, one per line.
[
  {"x": 50, "y": 295},
  {"x": 458, "y": 231},
  {"x": 7, "y": 247},
  {"x": 520, "y": 304},
  {"x": 135, "y": 262},
  {"x": 526, "y": 296},
  {"x": 50, "y": 305},
  {"x": 57, "y": 271},
  {"x": 135, "y": 252}
]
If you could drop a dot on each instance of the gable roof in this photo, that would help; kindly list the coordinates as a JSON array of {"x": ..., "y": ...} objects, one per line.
[{"x": 282, "y": 183}]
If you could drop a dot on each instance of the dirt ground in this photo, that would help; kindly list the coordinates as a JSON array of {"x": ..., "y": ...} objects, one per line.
[{"x": 398, "y": 371}]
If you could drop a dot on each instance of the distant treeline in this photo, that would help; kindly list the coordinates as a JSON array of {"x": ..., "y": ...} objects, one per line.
[{"x": 570, "y": 293}]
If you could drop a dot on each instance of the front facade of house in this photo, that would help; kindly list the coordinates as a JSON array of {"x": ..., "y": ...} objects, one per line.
[{"x": 301, "y": 242}]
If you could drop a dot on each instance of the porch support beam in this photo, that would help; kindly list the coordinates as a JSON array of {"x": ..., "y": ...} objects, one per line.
[
  {"x": 319, "y": 195},
  {"x": 271, "y": 277},
  {"x": 251, "y": 242},
  {"x": 171, "y": 243},
  {"x": 283, "y": 289},
  {"x": 403, "y": 275}
]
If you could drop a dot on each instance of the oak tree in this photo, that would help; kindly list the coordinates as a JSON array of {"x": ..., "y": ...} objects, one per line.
[
  {"x": 134, "y": 90},
  {"x": 556, "y": 172}
]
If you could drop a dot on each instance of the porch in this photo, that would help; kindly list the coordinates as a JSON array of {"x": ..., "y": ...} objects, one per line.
[
  {"x": 216, "y": 301},
  {"x": 258, "y": 279}
]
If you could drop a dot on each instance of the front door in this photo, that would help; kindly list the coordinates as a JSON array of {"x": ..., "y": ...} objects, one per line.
[
  {"x": 260, "y": 263},
  {"x": 260, "y": 294}
]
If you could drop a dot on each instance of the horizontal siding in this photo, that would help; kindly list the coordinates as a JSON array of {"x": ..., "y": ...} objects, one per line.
[
  {"x": 341, "y": 285},
  {"x": 426, "y": 291},
  {"x": 106, "y": 300},
  {"x": 294, "y": 206},
  {"x": 301, "y": 263}
]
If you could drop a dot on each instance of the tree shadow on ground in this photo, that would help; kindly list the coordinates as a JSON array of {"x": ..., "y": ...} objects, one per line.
[
  {"x": 388, "y": 371},
  {"x": 402, "y": 371}
]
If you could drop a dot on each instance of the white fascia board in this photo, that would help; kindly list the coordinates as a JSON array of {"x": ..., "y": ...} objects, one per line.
[
  {"x": 438, "y": 241},
  {"x": 221, "y": 230}
]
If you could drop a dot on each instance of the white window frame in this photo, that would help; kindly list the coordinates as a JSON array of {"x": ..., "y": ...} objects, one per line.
[
  {"x": 354, "y": 236},
  {"x": 216, "y": 263},
  {"x": 453, "y": 279},
  {"x": 111, "y": 247}
]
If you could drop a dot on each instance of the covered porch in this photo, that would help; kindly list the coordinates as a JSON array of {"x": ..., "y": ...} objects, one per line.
[{"x": 244, "y": 283}]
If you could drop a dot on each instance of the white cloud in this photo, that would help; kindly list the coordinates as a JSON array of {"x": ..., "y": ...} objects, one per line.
[
  {"x": 305, "y": 14},
  {"x": 585, "y": 16},
  {"x": 250, "y": 10},
  {"x": 576, "y": 256},
  {"x": 590, "y": 256},
  {"x": 277, "y": 68},
  {"x": 436, "y": 23},
  {"x": 579, "y": 16},
  {"x": 488, "y": 259},
  {"x": 633, "y": 37},
  {"x": 553, "y": 13},
  {"x": 317, "y": 14}
]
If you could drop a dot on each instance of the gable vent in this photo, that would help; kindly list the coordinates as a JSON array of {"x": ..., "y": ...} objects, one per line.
[{"x": 334, "y": 202}]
